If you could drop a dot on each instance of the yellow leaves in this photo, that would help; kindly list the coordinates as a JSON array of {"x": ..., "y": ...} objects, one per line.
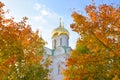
[
  {"x": 93, "y": 16},
  {"x": 90, "y": 78},
  {"x": 112, "y": 54},
  {"x": 93, "y": 47},
  {"x": 21, "y": 50},
  {"x": 108, "y": 14},
  {"x": 90, "y": 8},
  {"x": 107, "y": 75},
  {"x": 100, "y": 34},
  {"x": 25, "y": 43},
  {"x": 78, "y": 18},
  {"x": 115, "y": 78},
  {"x": 101, "y": 37}
]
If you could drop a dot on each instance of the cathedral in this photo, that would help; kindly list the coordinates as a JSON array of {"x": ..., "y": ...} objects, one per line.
[{"x": 59, "y": 52}]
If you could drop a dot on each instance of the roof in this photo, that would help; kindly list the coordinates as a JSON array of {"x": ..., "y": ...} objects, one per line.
[{"x": 60, "y": 30}]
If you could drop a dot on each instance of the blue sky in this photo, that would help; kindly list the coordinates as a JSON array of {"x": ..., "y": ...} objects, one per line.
[{"x": 44, "y": 14}]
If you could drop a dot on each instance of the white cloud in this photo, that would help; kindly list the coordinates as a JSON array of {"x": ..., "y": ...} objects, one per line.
[
  {"x": 37, "y": 6},
  {"x": 45, "y": 20},
  {"x": 39, "y": 19},
  {"x": 45, "y": 12}
]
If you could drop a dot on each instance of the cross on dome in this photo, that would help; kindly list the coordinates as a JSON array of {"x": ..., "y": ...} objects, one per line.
[{"x": 60, "y": 30}]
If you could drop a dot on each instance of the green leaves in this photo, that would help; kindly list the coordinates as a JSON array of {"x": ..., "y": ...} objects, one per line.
[{"x": 82, "y": 49}]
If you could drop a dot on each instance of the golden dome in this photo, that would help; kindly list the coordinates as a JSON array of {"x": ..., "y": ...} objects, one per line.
[{"x": 60, "y": 30}]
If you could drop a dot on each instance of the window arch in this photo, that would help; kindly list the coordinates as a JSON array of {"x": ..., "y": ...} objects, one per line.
[
  {"x": 59, "y": 68},
  {"x": 60, "y": 41},
  {"x": 54, "y": 43},
  {"x": 67, "y": 42}
]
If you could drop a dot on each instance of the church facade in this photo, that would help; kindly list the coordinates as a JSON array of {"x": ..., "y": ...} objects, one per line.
[{"x": 59, "y": 52}]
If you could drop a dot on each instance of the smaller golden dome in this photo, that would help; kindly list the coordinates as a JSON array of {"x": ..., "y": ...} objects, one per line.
[{"x": 60, "y": 30}]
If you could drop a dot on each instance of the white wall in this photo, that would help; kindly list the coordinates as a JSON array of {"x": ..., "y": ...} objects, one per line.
[
  {"x": 65, "y": 40},
  {"x": 60, "y": 59}
]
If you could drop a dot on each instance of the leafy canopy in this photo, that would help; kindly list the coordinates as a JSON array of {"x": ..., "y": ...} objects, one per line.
[
  {"x": 100, "y": 40},
  {"x": 21, "y": 51}
]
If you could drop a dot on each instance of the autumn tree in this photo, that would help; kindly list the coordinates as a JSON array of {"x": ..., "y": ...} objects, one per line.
[
  {"x": 97, "y": 53},
  {"x": 21, "y": 51}
]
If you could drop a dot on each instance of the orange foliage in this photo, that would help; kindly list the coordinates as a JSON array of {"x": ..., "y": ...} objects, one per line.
[
  {"x": 97, "y": 53},
  {"x": 20, "y": 47}
]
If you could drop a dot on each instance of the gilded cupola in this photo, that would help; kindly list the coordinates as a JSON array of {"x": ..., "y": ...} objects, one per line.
[{"x": 60, "y": 30}]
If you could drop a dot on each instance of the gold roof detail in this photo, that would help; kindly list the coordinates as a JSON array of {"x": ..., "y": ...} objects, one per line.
[{"x": 60, "y": 30}]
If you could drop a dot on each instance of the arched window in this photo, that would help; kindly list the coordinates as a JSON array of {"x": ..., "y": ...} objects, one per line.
[
  {"x": 54, "y": 43},
  {"x": 59, "y": 68},
  {"x": 67, "y": 42},
  {"x": 60, "y": 41}
]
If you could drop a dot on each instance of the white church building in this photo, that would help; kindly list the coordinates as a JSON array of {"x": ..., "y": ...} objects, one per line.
[{"x": 59, "y": 52}]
